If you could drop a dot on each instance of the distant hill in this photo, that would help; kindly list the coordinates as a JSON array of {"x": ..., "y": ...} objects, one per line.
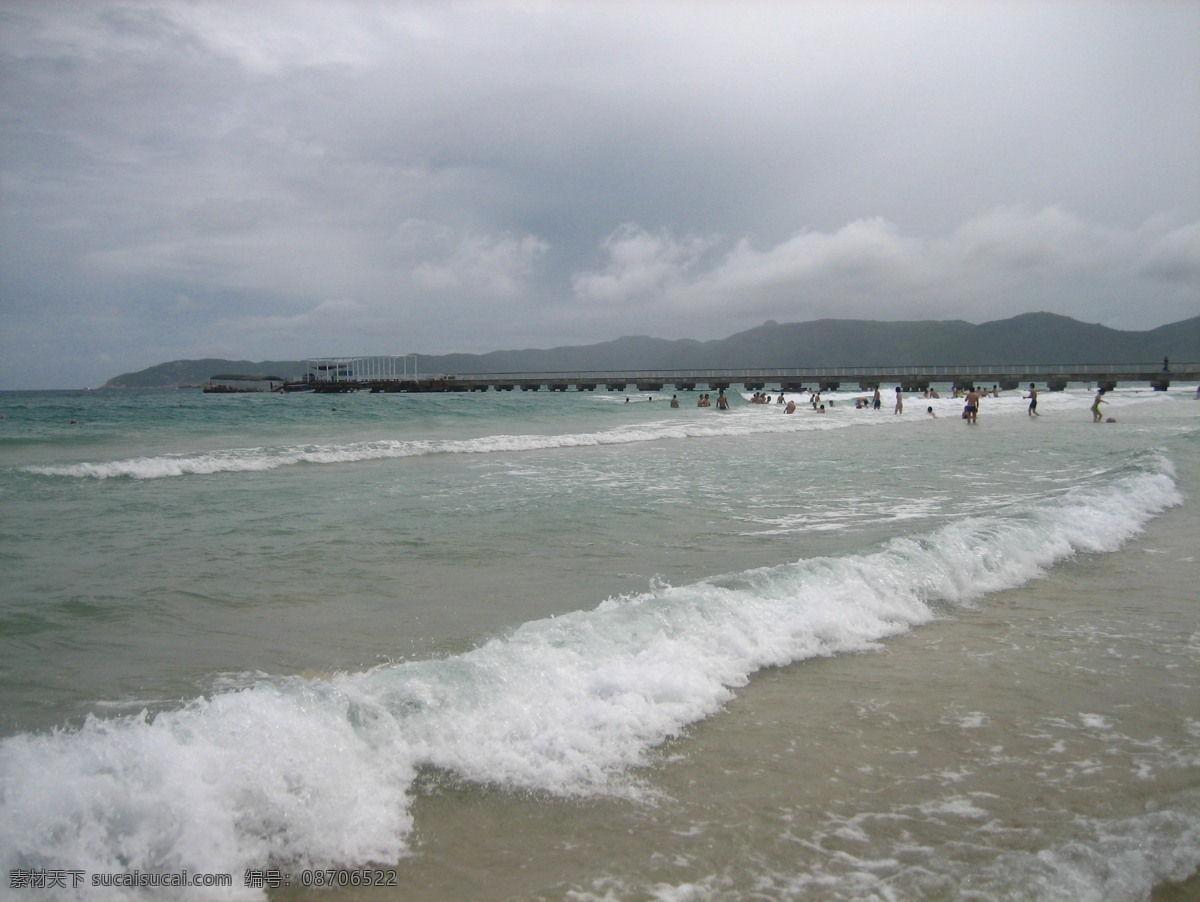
[
  {"x": 180, "y": 373},
  {"x": 1031, "y": 338}
]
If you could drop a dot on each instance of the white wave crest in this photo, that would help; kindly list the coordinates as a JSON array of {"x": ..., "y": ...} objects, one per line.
[
  {"x": 319, "y": 772},
  {"x": 264, "y": 458}
]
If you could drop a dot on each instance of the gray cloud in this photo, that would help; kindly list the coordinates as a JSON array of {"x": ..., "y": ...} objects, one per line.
[{"x": 280, "y": 179}]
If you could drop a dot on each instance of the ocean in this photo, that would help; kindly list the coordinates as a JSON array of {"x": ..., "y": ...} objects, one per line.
[{"x": 588, "y": 646}]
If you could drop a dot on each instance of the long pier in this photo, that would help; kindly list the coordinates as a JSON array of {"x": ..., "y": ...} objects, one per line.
[{"x": 384, "y": 374}]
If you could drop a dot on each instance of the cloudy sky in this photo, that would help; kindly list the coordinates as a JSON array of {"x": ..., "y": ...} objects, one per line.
[{"x": 280, "y": 179}]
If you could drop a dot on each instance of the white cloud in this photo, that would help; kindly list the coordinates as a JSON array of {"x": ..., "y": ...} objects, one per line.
[
  {"x": 868, "y": 251},
  {"x": 1011, "y": 260},
  {"x": 641, "y": 264},
  {"x": 495, "y": 265},
  {"x": 1013, "y": 240}
]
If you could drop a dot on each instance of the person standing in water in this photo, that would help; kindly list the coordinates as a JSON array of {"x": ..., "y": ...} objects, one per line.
[
  {"x": 1097, "y": 416},
  {"x": 972, "y": 406},
  {"x": 899, "y": 401},
  {"x": 1032, "y": 398}
]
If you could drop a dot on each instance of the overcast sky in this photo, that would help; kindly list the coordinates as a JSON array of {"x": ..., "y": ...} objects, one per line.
[{"x": 278, "y": 180}]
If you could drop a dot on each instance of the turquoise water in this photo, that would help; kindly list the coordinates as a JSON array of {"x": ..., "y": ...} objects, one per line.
[{"x": 654, "y": 652}]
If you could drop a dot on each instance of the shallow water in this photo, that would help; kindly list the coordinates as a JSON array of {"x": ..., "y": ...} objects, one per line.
[{"x": 560, "y": 646}]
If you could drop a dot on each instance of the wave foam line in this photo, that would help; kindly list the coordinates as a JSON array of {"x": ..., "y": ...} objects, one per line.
[
  {"x": 259, "y": 459},
  {"x": 313, "y": 773}
]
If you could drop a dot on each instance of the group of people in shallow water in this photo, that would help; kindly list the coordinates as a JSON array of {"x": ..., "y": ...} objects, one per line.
[
  {"x": 971, "y": 396},
  {"x": 722, "y": 401}
]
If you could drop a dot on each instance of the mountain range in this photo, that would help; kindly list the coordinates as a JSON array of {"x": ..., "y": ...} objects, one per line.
[{"x": 1031, "y": 338}]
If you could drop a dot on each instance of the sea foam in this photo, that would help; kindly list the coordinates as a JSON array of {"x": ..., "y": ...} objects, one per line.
[
  {"x": 748, "y": 421},
  {"x": 316, "y": 772},
  {"x": 742, "y": 420}
]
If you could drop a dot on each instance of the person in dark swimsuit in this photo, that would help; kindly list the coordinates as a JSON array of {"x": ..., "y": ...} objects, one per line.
[{"x": 1032, "y": 398}]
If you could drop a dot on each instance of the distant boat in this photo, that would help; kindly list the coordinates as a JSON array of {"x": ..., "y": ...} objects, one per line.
[
  {"x": 230, "y": 390},
  {"x": 240, "y": 383}
]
